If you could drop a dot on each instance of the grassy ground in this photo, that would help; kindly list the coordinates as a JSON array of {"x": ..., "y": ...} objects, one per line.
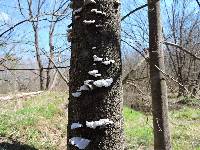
[{"x": 40, "y": 123}]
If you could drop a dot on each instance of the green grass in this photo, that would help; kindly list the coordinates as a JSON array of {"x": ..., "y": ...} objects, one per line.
[
  {"x": 184, "y": 125},
  {"x": 41, "y": 122},
  {"x": 138, "y": 129},
  {"x": 187, "y": 113},
  {"x": 186, "y": 128}
]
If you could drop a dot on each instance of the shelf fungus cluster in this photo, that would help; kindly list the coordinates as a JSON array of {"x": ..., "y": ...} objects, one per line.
[
  {"x": 82, "y": 143},
  {"x": 97, "y": 80}
]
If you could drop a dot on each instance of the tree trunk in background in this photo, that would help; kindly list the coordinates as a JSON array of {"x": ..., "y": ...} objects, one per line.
[
  {"x": 39, "y": 61},
  {"x": 100, "y": 38},
  {"x": 35, "y": 26},
  {"x": 51, "y": 50},
  {"x": 158, "y": 83},
  {"x": 56, "y": 74},
  {"x": 181, "y": 89}
]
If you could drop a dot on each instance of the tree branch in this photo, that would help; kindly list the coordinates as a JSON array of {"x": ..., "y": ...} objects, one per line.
[
  {"x": 183, "y": 49},
  {"x": 131, "y": 12},
  {"x": 167, "y": 75},
  {"x": 198, "y": 2},
  {"x": 60, "y": 73},
  {"x": 13, "y": 27}
]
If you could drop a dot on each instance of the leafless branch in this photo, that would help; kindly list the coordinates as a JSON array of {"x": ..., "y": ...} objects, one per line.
[
  {"x": 11, "y": 28},
  {"x": 60, "y": 73},
  {"x": 183, "y": 49},
  {"x": 131, "y": 83},
  {"x": 135, "y": 49},
  {"x": 198, "y": 2},
  {"x": 133, "y": 70},
  {"x": 167, "y": 75},
  {"x": 20, "y": 8},
  {"x": 133, "y": 11}
]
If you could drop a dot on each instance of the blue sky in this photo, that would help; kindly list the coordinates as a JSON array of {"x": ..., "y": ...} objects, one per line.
[
  {"x": 9, "y": 12},
  {"x": 24, "y": 32}
]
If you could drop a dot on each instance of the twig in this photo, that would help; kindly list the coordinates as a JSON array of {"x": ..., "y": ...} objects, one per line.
[
  {"x": 21, "y": 22},
  {"x": 131, "y": 83},
  {"x": 183, "y": 49},
  {"x": 167, "y": 75},
  {"x": 134, "y": 69},
  {"x": 131, "y": 12},
  {"x": 198, "y": 2},
  {"x": 60, "y": 73},
  {"x": 135, "y": 49}
]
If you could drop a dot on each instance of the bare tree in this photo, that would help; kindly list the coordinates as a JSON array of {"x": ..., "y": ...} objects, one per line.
[
  {"x": 158, "y": 83},
  {"x": 184, "y": 32},
  {"x": 53, "y": 16},
  {"x": 58, "y": 14},
  {"x": 35, "y": 26}
]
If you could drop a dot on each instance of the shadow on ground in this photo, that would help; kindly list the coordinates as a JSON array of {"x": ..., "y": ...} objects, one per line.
[{"x": 14, "y": 145}]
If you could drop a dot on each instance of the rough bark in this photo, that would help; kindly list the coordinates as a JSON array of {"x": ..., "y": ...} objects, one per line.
[
  {"x": 158, "y": 83},
  {"x": 99, "y": 103}
]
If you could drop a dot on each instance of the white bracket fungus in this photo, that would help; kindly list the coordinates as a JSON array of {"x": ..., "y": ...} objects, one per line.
[
  {"x": 98, "y": 12},
  {"x": 99, "y": 25},
  {"x": 94, "y": 73},
  {"x": 76, "y": 94},
  {"x": 96, "y": 58},
  {"x": 79, "y": 142},
  {"x": 89, "y": 21},
  {"x": 101, "y": 122},
  {"x": 83, "y": 88},
  {"x": 76, "y": 125},
  {"x": 103, "y": 82},
  {"x": 97, "y": 75},
  {"x": 108, "y": 62}
]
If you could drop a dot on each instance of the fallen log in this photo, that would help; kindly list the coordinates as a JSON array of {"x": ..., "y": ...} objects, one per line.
[{"x": 20, "y": 95}]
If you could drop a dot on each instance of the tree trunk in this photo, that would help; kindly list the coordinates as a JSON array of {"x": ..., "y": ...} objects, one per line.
[
  {"x": 95, "y": 46},
  {"x": 158, "y": 83},
  {"x": 39, "y": 61},
  {"x": 51, "y": 50},
  {"x": 56, "y": 74},
  {"x": 181, "y": 89}
]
